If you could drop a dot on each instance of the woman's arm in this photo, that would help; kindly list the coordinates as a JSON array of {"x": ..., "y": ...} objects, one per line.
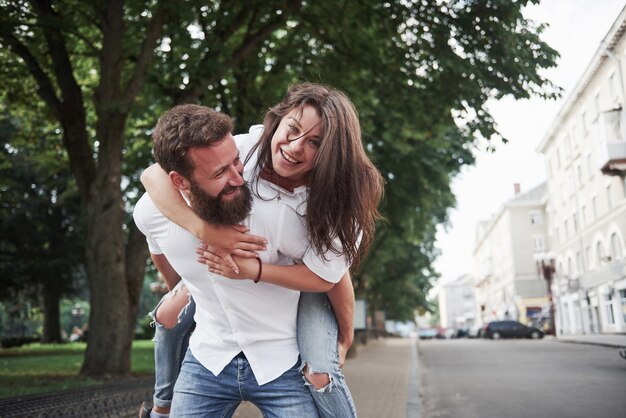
[
  {"x": 224, "y": 239},
  {"x": 295, "y": 277},
  {"x": 341, "y": 298}
]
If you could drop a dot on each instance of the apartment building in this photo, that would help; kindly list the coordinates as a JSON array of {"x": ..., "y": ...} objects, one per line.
[
  {"x": 585, "y": 151},
  {"x": 508, "y": 283},
  {"x": 457, "y": 304}
]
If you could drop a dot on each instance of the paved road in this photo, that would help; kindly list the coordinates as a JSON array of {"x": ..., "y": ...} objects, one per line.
[{"x": 520, "y": 378}]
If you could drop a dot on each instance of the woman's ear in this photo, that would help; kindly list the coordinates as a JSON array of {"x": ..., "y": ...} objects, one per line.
[{"x": 179, "y": 181}]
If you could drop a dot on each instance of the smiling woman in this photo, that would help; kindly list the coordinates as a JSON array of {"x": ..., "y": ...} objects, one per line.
[{"x": 295, "y": 144}]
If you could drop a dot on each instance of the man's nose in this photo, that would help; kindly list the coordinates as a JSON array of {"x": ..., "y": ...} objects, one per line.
[{"x": 236, "y": 178}]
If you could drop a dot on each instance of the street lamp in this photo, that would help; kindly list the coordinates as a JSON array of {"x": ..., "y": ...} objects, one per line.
[{"x": 545, "y": 265}]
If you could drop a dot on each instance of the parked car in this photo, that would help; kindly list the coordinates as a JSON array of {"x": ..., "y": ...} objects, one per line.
[
  {"x": 510, "y": 329},
  {"x": 427, "y": 333}
]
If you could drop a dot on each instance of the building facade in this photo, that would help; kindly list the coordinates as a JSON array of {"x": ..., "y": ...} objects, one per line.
[
  {"x": 585, "y": 151},
  {"x": 508, "y": 284},
  {"x": 457, "y": 304}
]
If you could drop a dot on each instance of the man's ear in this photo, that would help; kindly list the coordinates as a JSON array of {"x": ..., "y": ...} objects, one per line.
[{"x": 179, "y": 181}]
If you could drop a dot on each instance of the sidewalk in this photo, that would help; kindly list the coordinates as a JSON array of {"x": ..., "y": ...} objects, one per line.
[
  {"x": 382, "y": 378},
  {"x": 606, "y": 340}
]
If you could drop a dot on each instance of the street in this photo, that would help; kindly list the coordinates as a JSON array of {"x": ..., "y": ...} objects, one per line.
[{"x": 468, "y": 378}]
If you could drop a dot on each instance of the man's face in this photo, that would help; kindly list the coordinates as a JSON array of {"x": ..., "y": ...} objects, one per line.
[{"x": 217, "y": 190}]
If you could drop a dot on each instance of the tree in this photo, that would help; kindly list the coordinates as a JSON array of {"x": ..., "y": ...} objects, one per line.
[
  {"x": 92, "y": 49},
  {"x": 40, "y": 248},
  {"x": 419, "y": 72}
]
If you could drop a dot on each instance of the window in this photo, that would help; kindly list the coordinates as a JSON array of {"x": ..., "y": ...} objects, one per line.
[
  {"x": 599, "y": 253},
  {"x": 583, "y": 119},
  {"x": 616, "y": 247},
  {"x": 536, "y": 218},
  {"x": 594, "y": 204},
  {"x": 596, "y": 104},
  {"x": 575, "y": 221},
  {"x": 589, "y": 166},
  {"x": 622, "y": 296},
  {"x": 608, "y": 305},
  {"x": 588, "y": 255},
  {"x": 566, "y": 229},
  {"x": 568, "y": 149},
  {"x": 613, "y": 87},
  {"x": 558, "y": 158},
  {"x": 579, "y": 172},
  {"x": 570, "y": 267},
  {"x": 584, "y": 212},
  {"x": 538, "y": 243},
  {"x": 557, "y": 235},
  {"x": 609, "y": 198},
  {"x": 579, "y": 263}
]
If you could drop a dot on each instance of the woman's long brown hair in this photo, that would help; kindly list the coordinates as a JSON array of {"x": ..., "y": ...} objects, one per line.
[{"x": 345, "y": 187}]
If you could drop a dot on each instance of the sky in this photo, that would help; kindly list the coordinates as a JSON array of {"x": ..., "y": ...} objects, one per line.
[{"x": 576, "y": 28}]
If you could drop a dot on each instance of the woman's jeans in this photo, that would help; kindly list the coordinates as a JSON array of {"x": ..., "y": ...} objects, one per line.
[
  {"x": 317, "y": 342},
  {"x": 170, "y": 346}
]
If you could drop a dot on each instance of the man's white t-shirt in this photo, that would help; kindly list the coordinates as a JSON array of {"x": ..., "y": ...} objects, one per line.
[{"x": 240, "y": 315}]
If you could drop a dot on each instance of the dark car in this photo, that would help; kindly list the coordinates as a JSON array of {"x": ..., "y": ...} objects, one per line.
[{"x": 510, "y": 329}]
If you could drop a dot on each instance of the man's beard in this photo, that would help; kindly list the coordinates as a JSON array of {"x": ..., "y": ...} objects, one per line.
[{"x": 216, "y": 210}]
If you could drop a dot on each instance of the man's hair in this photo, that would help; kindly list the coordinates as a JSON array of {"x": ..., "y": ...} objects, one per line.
[{"x": 184, "y": 127}]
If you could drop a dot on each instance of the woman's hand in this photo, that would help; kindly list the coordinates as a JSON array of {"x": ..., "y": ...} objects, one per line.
[
  {"x": 227, "y": 241},
  {"x": 248, "y": 268}
]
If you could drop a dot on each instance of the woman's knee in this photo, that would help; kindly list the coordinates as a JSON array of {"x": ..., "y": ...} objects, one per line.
[{"x": 319, "y": 380}]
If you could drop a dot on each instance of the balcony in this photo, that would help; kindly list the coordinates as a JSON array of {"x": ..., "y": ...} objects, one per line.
[
  {"x": 610, "y": 143},
  {"x": 613, "y": 271}
]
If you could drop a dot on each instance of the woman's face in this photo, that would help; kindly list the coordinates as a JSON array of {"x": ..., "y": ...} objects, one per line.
[{"x": 295, "y": 143}]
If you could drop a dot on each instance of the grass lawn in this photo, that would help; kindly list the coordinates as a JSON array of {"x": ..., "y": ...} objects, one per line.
[{"x": 37, "y": 368}]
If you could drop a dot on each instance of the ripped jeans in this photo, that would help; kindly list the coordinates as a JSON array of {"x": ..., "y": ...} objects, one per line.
[
  {"x": 170, "y": 346},
  {"x": 317, "y": 343}
]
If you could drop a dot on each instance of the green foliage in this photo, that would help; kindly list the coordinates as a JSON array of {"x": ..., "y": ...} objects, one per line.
[{"x": 420, "y": 74}]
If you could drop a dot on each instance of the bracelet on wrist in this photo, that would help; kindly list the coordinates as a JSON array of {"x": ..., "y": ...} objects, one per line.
[{"x": 258, "y": 276}]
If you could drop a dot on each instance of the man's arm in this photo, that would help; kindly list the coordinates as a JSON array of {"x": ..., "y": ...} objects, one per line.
[
  {"x": 341, "y": 297},
  {"x": 165, "y": 268}
]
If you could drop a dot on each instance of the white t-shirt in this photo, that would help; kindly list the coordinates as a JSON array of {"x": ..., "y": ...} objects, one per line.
[{"x": 240, "y": 315}]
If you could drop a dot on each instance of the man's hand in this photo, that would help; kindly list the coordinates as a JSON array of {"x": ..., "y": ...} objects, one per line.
[
  {"x": 227, "y": 241},
  {"x": 343, "y": 345},
  {"x": 247, "y": 268}
]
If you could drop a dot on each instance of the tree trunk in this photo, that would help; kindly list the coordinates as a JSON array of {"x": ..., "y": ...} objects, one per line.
[
  {"x": 110, "y": 332},
  {"x": 136, "y": 255},
  {"x": 51, "y": 313}
]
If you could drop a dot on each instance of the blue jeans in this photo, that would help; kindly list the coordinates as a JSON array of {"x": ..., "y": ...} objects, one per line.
[
  {"x": 170, "y": 346},
  {"x": 317, "y": 343},
  {"x": 199, "y": 393}
]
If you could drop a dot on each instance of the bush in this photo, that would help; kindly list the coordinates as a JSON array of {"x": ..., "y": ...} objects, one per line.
[{"x": 8, "y": 342}]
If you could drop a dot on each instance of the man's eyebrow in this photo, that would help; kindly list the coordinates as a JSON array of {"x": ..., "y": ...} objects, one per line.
[{"x": 222, "y": 167}]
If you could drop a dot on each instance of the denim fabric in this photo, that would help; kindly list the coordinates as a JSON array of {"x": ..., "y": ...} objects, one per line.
[
  {"x": 199, "y": 393},
  {"x": 170, "y": 346},
  {"x": 317, "y": 342}
]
